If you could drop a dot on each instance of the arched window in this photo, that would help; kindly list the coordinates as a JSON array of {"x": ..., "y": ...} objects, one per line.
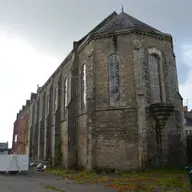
[
  {"x": 65, "y": 92},
  {"x": 114, "y": 79},
  {"x": 16, "y": 138},
  {"x": 56, "y": 97},
  {"x": 83, "y": 86},
  {"x": 48, "y": 103},
  {"x": 154, "y": 75}
]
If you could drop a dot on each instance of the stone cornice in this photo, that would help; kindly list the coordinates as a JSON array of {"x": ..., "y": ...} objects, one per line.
[
  {"x": 136, "y": 31},
  {"x": 95, "y": 36}
]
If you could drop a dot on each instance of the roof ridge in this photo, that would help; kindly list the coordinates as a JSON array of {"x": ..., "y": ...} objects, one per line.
[
  {"x": 125, "y": 21},
  {"x": 139, "y": 20},
  {"x": 100, "y": 25},
  {"x": 106, "y": 20}
]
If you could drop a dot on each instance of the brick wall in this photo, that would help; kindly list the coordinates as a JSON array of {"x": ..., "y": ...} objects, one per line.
[
  {"x": 173, "y": 131},
  {"x": 116, "y": 127},
  {"x": 82, "y": 140}
]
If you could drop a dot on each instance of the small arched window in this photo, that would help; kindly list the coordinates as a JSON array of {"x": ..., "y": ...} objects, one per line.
[
  {"x": 114, "y": 79},
  {"x": 83, "y": 86},
  {"x": 155, "y": 79}
]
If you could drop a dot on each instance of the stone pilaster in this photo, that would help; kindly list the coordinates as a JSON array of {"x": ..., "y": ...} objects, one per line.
[
  {"x": 36, "y": 136},
  {"x": 49, "y": 119},
  {"x": 91, "y": 107},
  {"x": 45, "y": 139},
  {"x": 39, "y": 141},
  {"x": 57, "y": 117},
  {"x": 139, "y": 57},
  {"x": 71, "y": 114}
]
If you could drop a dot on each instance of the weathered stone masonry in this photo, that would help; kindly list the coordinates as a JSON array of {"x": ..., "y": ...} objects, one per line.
[{"x": 113, "y": 102}]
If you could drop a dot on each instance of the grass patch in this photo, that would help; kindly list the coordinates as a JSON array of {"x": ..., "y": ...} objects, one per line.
[
  {"x": 50, "y": 187},
  {"x": 163, "y": 180}
]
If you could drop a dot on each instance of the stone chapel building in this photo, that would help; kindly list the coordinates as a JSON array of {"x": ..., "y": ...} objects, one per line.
[{"x": 113, "y": 102}]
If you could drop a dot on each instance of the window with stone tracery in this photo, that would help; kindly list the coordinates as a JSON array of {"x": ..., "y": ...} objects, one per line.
[
  {"x": 65, "y": 92},
  {"x": 155, "y": 80},
  {"x": 114, "y": 79},
  {"x": 83, "y": 86}
]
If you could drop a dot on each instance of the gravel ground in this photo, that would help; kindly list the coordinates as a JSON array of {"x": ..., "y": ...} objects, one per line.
[{"x": 42, "y": 182}]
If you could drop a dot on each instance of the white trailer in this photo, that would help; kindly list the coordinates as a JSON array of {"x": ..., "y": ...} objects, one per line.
[{"x": 14, "y": 163}]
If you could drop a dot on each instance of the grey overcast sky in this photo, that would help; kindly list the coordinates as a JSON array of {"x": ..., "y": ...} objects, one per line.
[{"x": 36, "y": 35}]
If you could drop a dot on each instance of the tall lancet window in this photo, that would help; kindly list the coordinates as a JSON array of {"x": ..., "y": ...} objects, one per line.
[
  {"x": 56, "y": 96},
  {"x": 83, "y": 85},
  {"x": 66, "y": 92},
  {"x": 48, "y": 103},
  {"x": 114, "y": 79},
  {"x": 154, "y": 75}
]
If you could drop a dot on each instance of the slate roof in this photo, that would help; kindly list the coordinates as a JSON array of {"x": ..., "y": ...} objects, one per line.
[
  {"x": 124, "y": 21},
  {"x": 111, "y": 23},
  {"x": 101, "y": 24}
]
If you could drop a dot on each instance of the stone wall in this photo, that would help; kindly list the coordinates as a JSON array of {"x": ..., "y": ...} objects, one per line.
[
  {"x": 64, "y": 143},
  {"x": 116, "y": 127},
  {"x": 82, "y": 141},
  {"x": 117, "y": 137},
  {"x": 66, "y": 73},
  {"x": 172, "y": 134},
  {"x": 101, "y": 133},
  {"x": 85, "y": 111},
  {"x": 41, "y": 125}
]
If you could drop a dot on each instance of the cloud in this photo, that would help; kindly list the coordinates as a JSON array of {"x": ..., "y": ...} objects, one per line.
[
  {"x": 21, "y": 69},
  {"x": 53, "y": 27},
  {"x": 187, "y": 85},
  {"x": 187, "y": 49}
]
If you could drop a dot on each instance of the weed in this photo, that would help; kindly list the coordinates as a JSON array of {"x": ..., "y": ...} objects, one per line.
[
  {"x": 131, "y": 181},
  {"x": 52, "y": 188}
]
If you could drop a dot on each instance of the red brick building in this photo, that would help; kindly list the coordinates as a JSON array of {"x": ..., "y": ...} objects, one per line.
[
  {"x": 20, "y": 132},
  {"x": 15, "y": 136}
]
